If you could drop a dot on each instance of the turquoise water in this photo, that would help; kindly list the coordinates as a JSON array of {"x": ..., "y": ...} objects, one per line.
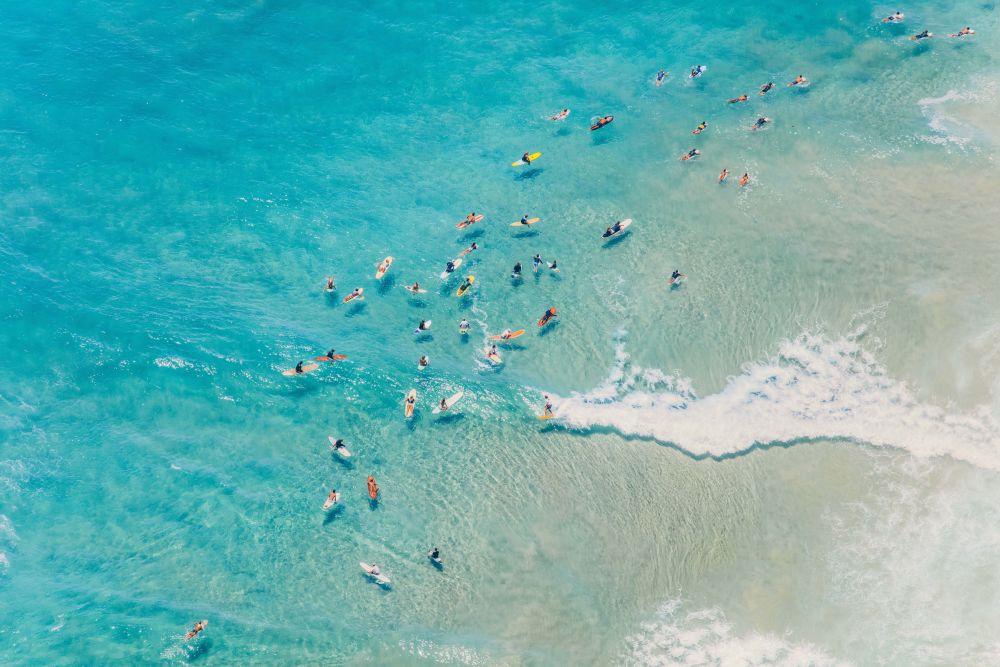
[{"x": 791, "y": 459}]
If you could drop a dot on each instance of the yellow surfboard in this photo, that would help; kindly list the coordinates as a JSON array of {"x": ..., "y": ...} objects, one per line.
[
  {"x": 530, "y": 221},
  {"x": 533, "y": 156},
  {"x": 544, "y": 417},
  {"x": 465, "y": 288}
]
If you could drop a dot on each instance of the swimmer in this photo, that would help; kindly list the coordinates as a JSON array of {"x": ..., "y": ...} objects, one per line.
[
  {"x": 761, "y": 122},
  {"x": 766, "y": 87},
  {"x": 799, "y": 80},
  {"x": 536, "y": 262},
  {"x": 698, "y": 71},
  {"x": 893, "y": 18},
  {"x": 963, "y": 32},
  {"x": 723, "y": 175},
  {"x": 468, "y": 250},
  {"x": 516, "y": 273},
  {"x": 693, "y": 153},
  {"x": 423, "y": 363},
  {"x": 198, "y": 627},
  {"x": 660, "y": 76},
  {"x": 744, "y": 179},
  {"x": 471, "y": 217},
  {"x": 701, "y": 128},
  {"x": 330, "y": 285},
  {"x": 435, "y": 555},
  {"x": 375, "y": 571},
  {"x": 741, "y": 98},
  {"x": 553, "y": 266},
  {"x": 559, "y": 116}
]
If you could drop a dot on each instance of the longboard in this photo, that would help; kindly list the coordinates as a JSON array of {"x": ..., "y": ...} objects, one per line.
[
  {"x": 513, "y": 335},
  {"x": 380, "y": 579},
  {"x": 622, "y": 226},
  {"x": 383, "y": 267},
  {"x": 450, "y": 401},
  {"x": 352, "y": 296},
  {"x": 336, "y": 357},
  {"x": 466, "y": 223},
  {"x": 308, "y": 368}
]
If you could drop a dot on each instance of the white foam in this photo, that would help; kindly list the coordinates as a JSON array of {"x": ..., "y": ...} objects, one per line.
[
  {"x": 814, "y": 388},
  {"x": 705, "y": 637}
]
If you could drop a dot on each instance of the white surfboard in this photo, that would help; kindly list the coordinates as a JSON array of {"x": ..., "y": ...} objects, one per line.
[
  {"x": 450, "y": 401},
  {"x": 330, "y": 503},
  {"x": 457, "y": 263},
  {"x": 342, "y": 451},
  {"x": 379, "y": 579}
]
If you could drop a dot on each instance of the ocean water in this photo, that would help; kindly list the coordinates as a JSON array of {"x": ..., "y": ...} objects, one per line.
[{"x": 791, "y": 459}]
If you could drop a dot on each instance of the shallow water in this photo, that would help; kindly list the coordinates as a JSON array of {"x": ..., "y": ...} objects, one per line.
[{"x": 790, "y": 459}]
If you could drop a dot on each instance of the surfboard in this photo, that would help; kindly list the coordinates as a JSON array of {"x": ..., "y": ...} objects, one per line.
[
  {"x": 544, "y": 417},
  {"x": 331, "y": 502},
  {"x": 533, "y": 156},
  {"x": 352, "y": 296},
  {"x": 450, "y": 401},
  {"x": 513, "y": 335},
  {"x": 383, "y": 267},
  {"x": 465, "y": 223},
  {"x": 407, "y": 406},
  {"x": 336, "y": 357},
  {"x": 495, "y": 359},
  {"x": 308, "y": 368},
  {"x": 380, "y": 579},
  {"x": 343, "y": 451},
  {"x": 457, "y": 262},
  {"x": 530, "y": 221},
  {"x": 463, "y": 288},
  {"x": 622, "y": 226},
  {"x": 372, "y": 488}
]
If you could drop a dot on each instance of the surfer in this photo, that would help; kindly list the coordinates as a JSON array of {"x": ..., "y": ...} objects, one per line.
[
  {"x": 536, "y": 261},
  {"x": 516, "y": 273},
  {"x": 443, "y": 406},
  {"x": 701, "y": 128},
  {"x": 469, "y": 249},
  {"x": 963, "y": 32},
  {"x": 559, "y": 116},
  {"x": 697, "y": 71},
  {"x": 298, "y": 368},
  {"x": 330, "y": 353},
  {"x": 601, "y": 123},
  {"x": 549, "y": 314},
  {"x": 330, "y": 286},
  {"x": 338, "y": 445},
  {"x": 198, "y": 627},
  {"x": 744, "y": 179},
  {"x": 693, "y": 153},
  {"x": 526, "y": 158},
  {"x": 766, "y": 87},
  {"x": 424, "y": 325},
  {"x": 660, "y": 76},
  {"x": 676, "y": 276},
  {"x": 761, "y": 122},
  {"x": 449, "y": 267},
  {"x": 471, "y": 217},
  {"x": 723, "y": 175},
  {"x": 613, "y": 229},
  {"x": 373, "y": 494},
  {"x": 741, "y": 98},
  {"x": 505, "y": 334},
  {"x": 553, "y": 266},
  {"x": 423, "y": 363},
  {"x": 548, "y": 405},
  {"x": 799, "y": 80},
  {"x": 524, "y": 219},
  {"x": 893, "y": 18},
  {"x": 435, "y": 554},
  {"x": 464, "y": 325}
]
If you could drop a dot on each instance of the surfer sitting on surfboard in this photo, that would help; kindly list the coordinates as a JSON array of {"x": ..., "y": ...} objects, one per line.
[
  {"x": 338, "y": 445},
  {"x": 469, "y": 249},
  {"x": 526, "y": 158},
  {"x": 893, "y": 18},
  {"x": 423, "y": 363},
  {"x": 701, "y": 128},
  {"x": 516, "y": 273},
  {"x": 536, "y": 262},
  {"x": 553, "y": 266},
  {"x": 464, "y": 325},
  {"x": 744, "y": 179},
  {"x": 443, "y": 406}
]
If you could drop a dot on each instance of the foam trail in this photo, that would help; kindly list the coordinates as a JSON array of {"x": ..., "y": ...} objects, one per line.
[
  {"x": 706, "y": 638},
  {"x": 813, "y": 389}
]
